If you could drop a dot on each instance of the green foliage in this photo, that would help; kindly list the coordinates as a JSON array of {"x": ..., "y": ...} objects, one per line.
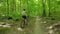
[{"x": 33, "y": 8}]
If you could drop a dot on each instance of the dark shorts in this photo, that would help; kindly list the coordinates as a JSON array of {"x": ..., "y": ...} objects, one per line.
[{"x": 24, "y": 16}]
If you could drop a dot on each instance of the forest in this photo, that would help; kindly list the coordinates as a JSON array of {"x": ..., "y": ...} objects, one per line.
[{"x": 42, "y": 17}]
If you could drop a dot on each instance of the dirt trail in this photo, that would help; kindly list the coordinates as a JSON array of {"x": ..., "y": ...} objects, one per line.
[{"x": 37, "y": 26}]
